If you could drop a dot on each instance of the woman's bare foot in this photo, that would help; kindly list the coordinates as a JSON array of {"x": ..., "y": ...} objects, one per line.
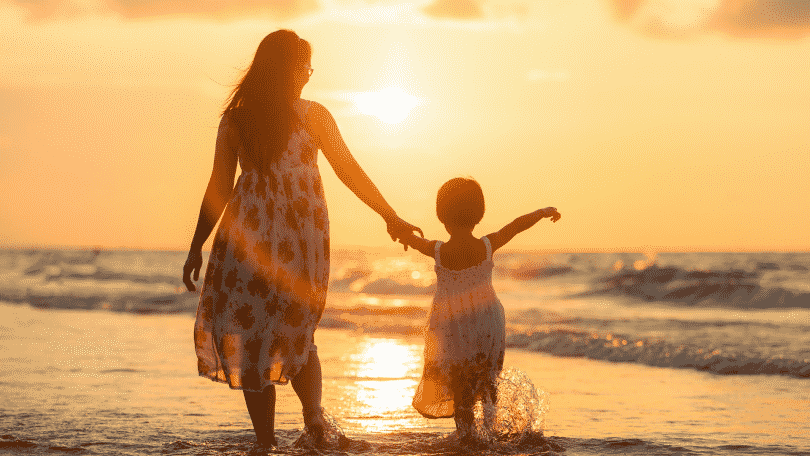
[
  {"x": 263, "y": 449},
  {"x": 316, "y": 427},
  {"x": 267, "y": 443}
]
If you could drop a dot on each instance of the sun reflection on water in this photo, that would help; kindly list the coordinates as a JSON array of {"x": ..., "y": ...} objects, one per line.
[
  {"x": 385, "y": 358},
  {"x": 386, "y": 372}
]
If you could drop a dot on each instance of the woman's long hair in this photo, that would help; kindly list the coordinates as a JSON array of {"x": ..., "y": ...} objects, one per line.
[{"x": 261, "y": 105}]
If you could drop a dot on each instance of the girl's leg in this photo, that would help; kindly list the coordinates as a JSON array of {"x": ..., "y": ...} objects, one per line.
[
  {"x": 463, "y": 401},
  {"x": 490, "y": 401},
  {"x": 262, "y": 409},
  {"x": 308, "y": 385}
]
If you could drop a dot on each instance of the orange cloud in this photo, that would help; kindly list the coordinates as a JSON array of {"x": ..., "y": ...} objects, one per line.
[
  {"x": 455, "y": 9},
  {"x": 39, "y": 8},
  {"x": 785, "y": 18},
  {"x": 626, "y": 8},
  {"x": 772, "y": 18},
  {"x": 138, "y": 9}
]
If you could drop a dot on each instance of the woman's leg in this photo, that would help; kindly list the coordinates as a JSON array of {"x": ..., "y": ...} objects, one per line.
[
  {"x": 308, "y": 386},
  {"x": 262, "y": 409}
]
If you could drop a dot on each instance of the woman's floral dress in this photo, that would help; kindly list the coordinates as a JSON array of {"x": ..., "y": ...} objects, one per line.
[{"x": 265, "y": 286}]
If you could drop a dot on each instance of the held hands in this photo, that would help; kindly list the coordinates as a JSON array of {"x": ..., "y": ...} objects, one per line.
[
  {"x": 193, "y": 264},
  {"x": 397, "y": 228}
]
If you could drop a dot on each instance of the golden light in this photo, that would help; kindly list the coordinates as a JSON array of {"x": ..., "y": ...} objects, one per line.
[
  {"x": 385, "y": 358},
  {"x": 386, "y": 371},
  {"x": 385, "y": 404},
  {"x": 391, "y": 105}
]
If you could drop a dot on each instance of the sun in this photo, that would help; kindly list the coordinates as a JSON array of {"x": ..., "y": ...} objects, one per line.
[{"x": 391, "y": 105}]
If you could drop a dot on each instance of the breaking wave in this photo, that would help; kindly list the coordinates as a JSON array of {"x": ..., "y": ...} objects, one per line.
[
  {"x": 729, "y": 288},
  {"x": 660, "y": 353}
]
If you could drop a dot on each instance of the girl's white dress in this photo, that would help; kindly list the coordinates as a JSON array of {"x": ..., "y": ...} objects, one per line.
[{"x": 464, "y": 341}]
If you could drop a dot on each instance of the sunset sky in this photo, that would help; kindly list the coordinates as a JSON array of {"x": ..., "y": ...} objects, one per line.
[{"x": 658, "y": 125}]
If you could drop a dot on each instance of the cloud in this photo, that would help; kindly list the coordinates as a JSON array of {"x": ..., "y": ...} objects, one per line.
[
  {"x": 140, "y": 9},
  {"x": 781, "y": 17},
  {"x": 476, "y": 10},
  {"x": 626, "y": 8},
  {"x": 40, "y": 9},
  {"x": 673, "y": 18},
  {"x": 454, "y": 9},
  {"x": 395, "y": 10}
]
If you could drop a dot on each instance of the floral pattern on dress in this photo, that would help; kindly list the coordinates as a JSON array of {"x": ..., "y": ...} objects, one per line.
[{"x": 265, "y": 285}]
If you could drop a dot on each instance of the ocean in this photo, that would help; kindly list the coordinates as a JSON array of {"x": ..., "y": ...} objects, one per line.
[{"x": 631, "y": 353}]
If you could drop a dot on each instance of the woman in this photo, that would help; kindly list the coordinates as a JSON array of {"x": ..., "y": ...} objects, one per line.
[{"x": 265, "y": 287}]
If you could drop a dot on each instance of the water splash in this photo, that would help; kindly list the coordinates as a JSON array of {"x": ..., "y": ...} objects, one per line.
[
  {"x": 333, "y": 436},
  {"x": 519, "y": 413}
]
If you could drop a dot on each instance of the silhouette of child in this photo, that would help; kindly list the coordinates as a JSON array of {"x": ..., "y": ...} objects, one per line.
[{"x": 465, "y": 338}]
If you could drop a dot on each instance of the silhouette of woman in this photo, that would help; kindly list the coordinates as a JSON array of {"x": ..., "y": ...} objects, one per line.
[{"x": 265, "y": 286}]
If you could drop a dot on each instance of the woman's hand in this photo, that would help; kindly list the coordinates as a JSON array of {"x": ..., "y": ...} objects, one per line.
[
  {"x": 193, "y": 264},
  {"x": 398, "y": 227}
]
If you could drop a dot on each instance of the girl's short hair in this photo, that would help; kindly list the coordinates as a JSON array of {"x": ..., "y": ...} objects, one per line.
[{"x": 460, "y": 202}]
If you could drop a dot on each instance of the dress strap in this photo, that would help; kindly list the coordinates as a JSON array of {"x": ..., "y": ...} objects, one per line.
[
  {"x": 301, "y": 107},
  {"x": 489, "y": 247},
  {"x": 307, "y": 104},
  {"x": 302, "y": 111},
  {"x": 436, "y": 254}
]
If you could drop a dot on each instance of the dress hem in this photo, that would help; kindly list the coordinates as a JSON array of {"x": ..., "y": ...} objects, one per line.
[
  {"x": 434, "y": 417},
  {"x": 218, "y": 380}
]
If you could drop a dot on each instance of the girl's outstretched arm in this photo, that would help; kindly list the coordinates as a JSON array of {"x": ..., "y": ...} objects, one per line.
[
  {"x": 423, "y": 245},
  {"x": 522, "y": 223}
]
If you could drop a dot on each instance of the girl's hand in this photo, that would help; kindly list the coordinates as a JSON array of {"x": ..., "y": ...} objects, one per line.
[
  {"x": 397, "y": 228},
  {"x": 193, "y": 264},
  {"x": 551, "y": 212}
]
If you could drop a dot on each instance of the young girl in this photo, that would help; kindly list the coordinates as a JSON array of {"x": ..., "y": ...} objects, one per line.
[{"x": 465, "y": 338}]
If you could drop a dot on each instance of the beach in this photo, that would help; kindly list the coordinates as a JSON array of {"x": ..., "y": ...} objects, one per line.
[{"x": 92, "y": 380}]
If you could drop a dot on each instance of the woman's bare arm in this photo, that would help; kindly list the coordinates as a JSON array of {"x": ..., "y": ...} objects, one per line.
[
  {"x": 350, "y": 173},
  {"x": 217, "y": 194},
  {"x": 499, "y": 238}
]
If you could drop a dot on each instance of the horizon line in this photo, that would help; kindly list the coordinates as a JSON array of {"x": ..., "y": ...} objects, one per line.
[{"x": 397, "y": 247}]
